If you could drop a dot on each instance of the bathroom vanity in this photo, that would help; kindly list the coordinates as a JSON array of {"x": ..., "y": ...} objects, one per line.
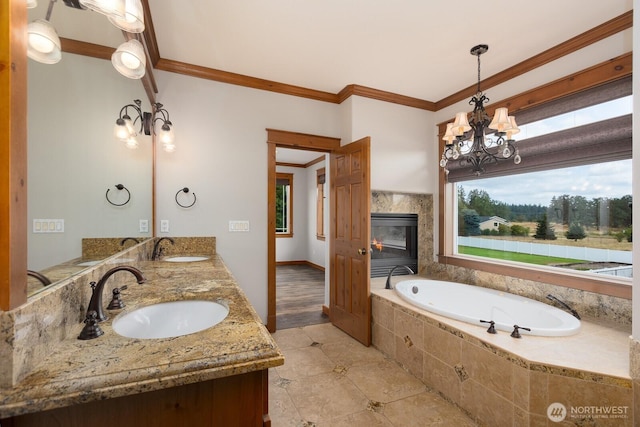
[{"x": 215, "y": 377}]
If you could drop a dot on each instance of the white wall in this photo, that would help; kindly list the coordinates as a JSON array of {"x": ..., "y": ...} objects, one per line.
[
  {"x": 295, "y": 248},
  {"x": 73, "y": 157},
  {"x": 221, "y": 155}
]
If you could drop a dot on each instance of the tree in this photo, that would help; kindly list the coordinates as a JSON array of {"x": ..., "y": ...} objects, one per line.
[
  {"x": 575, "y": 232},
  {"x": 544, "y": 231},
  {"x": 471, "y": 221}
]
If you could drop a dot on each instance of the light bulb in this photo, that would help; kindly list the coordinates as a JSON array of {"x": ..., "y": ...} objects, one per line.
[
  {"x": 41, "y": 43},
  {"x": 129, "y": 60},
  {"x": 132, "y": 143},
  {"x": 120, "y": 130}
]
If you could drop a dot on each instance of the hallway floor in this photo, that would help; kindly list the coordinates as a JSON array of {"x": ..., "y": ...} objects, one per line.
[{"x": 329, "y": 379}]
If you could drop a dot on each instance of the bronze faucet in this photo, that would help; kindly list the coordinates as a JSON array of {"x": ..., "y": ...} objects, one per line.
[
  {"x": 388, "y": 284},
  {"x": 157, "y": 250},
  {"x": 96, "y": 297},
  {"x": 41, "y": 277}
]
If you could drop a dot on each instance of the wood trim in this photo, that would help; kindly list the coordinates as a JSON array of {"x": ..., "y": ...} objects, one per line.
[
  {"x": 242, "y": 80},
  {"x": 304, "y": 262},
  {"x": 300, "y": 165},
  {"x": 149, "y": 34},
  {"x": 148, "y": 80},
  {"x": 326, "y": 311},
  {"x": 305, "y": 141},
  {"x": 13, "y": 155},
  {"x": 271, "y": 237},
  {"x": 609, "y": 28},
  {"x": 87, "y": 49},
  {"x": 385, "y": 96},
  {"x": 605, "y": 72},
  {"x": 575, "y": 281}
]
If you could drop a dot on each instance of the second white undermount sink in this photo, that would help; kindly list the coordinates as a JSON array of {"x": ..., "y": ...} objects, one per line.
[
  {"x": 170, "y": 319},
  {"x": 186, "y": 258}
]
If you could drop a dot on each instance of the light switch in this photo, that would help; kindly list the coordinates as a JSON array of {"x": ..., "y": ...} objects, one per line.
[
  {"x": 48, "y": 225},
  {"x": 238, "y": 226}
]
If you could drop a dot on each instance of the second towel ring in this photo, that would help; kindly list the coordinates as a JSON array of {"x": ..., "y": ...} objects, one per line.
[
  {"x": 185, "y": 190},
  {"x": 119, "y": 187}
]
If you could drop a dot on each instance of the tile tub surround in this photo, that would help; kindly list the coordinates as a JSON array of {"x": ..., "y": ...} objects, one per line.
[
  {"x": 500, "y": 380},
  {"x": 76, "y": 371}
]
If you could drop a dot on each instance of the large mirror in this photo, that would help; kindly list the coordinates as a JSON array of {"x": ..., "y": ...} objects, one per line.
[{"x": 73, "y": 157}]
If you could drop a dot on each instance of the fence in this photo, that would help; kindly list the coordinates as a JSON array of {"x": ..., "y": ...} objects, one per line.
[{"x": 573, "y": 252}]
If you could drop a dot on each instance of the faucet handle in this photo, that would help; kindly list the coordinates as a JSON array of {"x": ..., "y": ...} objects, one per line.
[
  {"x": 116, "y": 302},
  {"x": 492, "y": 327},
  {"x": 91, "y": 328},
  {"x": 516, "y": 332}
]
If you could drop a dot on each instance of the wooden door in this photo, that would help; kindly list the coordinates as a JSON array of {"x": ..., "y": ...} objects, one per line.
[{"x": 350, "y": 305}]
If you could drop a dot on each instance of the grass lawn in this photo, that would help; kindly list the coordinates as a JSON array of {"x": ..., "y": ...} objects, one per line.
[{"x": 516, "y": 256}]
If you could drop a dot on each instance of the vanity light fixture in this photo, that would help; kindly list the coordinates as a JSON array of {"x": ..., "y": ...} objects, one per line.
[
  {"x": 128, "y": 15},
  {"x": 126, "y": 129},
  {"x": 465, "y": 140},
  {"x": 43, "y": 43},
  {"x": 129, "y": 59}
]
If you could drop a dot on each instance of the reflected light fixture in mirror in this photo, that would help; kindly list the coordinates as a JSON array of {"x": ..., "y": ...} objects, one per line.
[
  {"x": 129, "y": 59},
  {"x": 126, "y": 129},
  {"x": 43, "y": 43}
]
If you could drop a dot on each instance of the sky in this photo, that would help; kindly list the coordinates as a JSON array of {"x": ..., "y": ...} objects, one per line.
[{"x": 611, "y": 179}]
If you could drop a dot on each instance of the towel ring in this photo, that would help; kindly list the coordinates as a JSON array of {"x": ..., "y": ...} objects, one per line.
[
  {"x": 119, "y": 187},
  {"x": 185, "y": 190}
]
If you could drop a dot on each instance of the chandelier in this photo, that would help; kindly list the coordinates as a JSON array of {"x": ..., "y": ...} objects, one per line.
[
  {"x": 125, "y": 129},
  {"x": 466, "y": 141}
]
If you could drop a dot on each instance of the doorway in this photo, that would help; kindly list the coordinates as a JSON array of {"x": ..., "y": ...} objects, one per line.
[
  {"x": 301, "y": 246},
  {"x": 349, "y": 229},
  {"x": 283, "y": 139}
]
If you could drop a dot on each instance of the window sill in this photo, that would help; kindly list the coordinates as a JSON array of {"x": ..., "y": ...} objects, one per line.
[
  {"x": 586, "y": 282},
  {"x": 320, "y": 237},
  {"x": 284, "y": 235}
]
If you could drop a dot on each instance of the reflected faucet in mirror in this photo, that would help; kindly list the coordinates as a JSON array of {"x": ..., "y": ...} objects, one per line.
[
  {"x": 157, "y": 249},
  {"x": 126, "y": 239},
  {"x": 41, "y": 277},
  {"x": 96, "y": 297}
]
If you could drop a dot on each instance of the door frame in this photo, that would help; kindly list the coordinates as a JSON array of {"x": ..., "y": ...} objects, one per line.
[{"x": 296, "y": 140}]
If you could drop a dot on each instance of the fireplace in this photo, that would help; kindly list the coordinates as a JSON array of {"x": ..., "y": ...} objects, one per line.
[{"x": 394, "y": 241}]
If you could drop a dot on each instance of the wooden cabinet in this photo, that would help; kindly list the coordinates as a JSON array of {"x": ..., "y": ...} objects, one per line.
[{"x": 239, "y": 400}]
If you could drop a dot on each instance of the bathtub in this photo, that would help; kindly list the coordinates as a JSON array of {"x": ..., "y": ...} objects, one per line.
[{"x": 473, "y": 303}]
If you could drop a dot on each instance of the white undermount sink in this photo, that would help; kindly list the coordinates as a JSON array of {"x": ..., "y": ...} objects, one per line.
[
  {"x": 186, "y": 258},
  {"x": 170, "y": 319}
]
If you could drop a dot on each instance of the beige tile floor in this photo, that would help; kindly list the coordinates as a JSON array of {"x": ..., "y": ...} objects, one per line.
[{"x": 329, "y": 379}]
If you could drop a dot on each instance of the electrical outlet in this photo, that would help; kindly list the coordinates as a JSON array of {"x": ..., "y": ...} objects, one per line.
[
  {"x": 164, "y": 225},
  {"x": 144, "y": 226}
]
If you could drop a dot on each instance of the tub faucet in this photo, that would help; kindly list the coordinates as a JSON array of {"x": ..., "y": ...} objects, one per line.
[
  {"x": 96, "y": 297},
  {"x": 388, "y": 285},
  {"x": 565, "y": 305},
  {"x": 157, "y": 250},
  {"x": 41, "y": 277}
]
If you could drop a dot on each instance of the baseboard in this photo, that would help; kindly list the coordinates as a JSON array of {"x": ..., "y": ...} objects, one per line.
[
  {"x": 326, "y": 310},
  {"x": 307, "y": 263}
]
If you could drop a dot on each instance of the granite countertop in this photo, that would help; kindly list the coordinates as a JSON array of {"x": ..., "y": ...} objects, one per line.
[{"x": 78, "y": 371}]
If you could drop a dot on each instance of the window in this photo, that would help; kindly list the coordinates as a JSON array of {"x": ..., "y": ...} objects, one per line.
[
  {"x": 284, "y": 204},
  {"x": 320, "y": 181},
  {"x": 567, "y": 206}
]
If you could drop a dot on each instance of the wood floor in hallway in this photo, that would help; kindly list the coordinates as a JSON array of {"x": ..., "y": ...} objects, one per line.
[{"x": 299, "y": 296}]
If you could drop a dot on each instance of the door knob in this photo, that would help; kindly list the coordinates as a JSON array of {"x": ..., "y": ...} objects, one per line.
[{"x": 362, "y": 251}]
